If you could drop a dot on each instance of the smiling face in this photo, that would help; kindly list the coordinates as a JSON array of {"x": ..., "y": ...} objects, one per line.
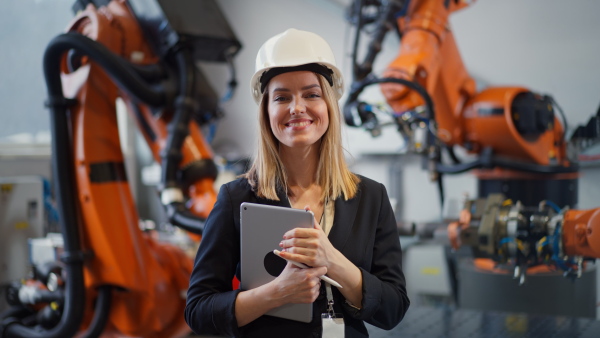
[{"x": 298, "y": 112}]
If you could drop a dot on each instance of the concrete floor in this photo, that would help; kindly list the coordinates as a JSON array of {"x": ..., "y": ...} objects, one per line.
[{"x": 448, "y": 322}]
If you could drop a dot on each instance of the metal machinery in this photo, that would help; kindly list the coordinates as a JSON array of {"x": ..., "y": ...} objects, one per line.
[
  {"x": 111, "y": 277},
  {"x": 22, "y": 215},
  {"x": 525, "y": 164}
]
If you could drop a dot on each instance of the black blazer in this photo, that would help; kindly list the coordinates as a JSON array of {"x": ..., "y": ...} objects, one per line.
[{"x": 364, "y": 230}]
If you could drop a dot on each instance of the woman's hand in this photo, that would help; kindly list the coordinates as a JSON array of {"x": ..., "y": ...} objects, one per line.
[
  {"x": 308, "y": 246},
  {"x": 312, "y": 247},
  {"x": 296, "y": 285},
  {"x": 293, "y": 285}
]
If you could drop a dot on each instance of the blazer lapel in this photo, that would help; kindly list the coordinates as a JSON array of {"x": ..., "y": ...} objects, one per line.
[{"x": 345, "y": 215}]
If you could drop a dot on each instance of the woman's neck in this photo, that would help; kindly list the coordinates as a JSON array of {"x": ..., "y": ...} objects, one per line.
[
  {"x": 301, "y": 168},
  {"x": 300, "y": 165}
]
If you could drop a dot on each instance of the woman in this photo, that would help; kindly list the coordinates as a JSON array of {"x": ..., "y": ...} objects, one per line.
[{"x": 300, "y": 164}]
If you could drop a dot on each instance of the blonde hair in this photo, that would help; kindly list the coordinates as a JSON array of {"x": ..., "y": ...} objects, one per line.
[{"x": 267, "y": 174}]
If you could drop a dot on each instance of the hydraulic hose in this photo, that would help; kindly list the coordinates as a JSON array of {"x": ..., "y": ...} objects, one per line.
[
  {"x": 171, "y": 156},
  {"x": 458, "y": 168},
  {"x": 178, "y": 127},
  {"x": 150, "y": 73},
  {"x": 384, "y": 21},
  {"x": 355, "y": 66},
  {"x": 180, "y": 216},
  {"x": 232, "y": 83},
  {"x": 358, "y": 87},
  {"x": 62, "y": 167},
  {"x": 535, "y": 168},
  {"x": 440, "y": 186},
  {"x": 46, "y": 296},
  {"x": 120, "y": 71},
  {"x": 101, "y": 312},
  {"x": 452, "y": 154},
  {"x": 508, "y": 164}
]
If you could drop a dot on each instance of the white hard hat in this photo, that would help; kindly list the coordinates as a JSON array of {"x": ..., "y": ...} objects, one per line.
[{"x": 294, "y": 48}]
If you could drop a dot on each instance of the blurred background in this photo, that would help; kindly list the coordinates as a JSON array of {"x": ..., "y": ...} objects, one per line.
[{"x": 548, "y": 46}]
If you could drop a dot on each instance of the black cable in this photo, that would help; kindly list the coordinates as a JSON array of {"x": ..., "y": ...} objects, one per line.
[
  {"x": 150, "y": 73},
  {"x": 101, "y": 312},
  {"x": 14, "y": 314},
  {"x": 386, "y": 17},
  {"x": 440, "y": 185},
  {"x": 118, "y": 69},
  {"x": 535, "y": 168},
  {"x": 62, "y": 168},
  {"x": 232, "y": 84},
  {"x": 563, "y": 117},
  {"x": 358, "y": 87},
  {"x": 458, "y": 168},
  {"x": 46, "y": 296},
  {"x": 504, "y": 163},
  {"x": 181, "y": 217},
  {"x": 178, "y": 127},
  {"x": 178, "y": 130},
  {"x": 355, "y": 67},
  {"x": 452, "y": 154}
]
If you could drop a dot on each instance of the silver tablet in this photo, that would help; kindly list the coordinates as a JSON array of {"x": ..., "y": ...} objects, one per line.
[{"x": 262, "y": 228}]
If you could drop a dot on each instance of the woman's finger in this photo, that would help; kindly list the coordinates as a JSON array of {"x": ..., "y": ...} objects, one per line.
[
  {"x": 300, "y": 251},
  {"x": 300, "y": 233},
  {"x": 299, "y": 242},
  {"x": 316, "y": 224}
]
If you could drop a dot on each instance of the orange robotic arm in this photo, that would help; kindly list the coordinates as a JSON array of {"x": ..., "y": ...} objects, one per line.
[
  {"x": 428, "y": 87},
  {"x": 134, "y": 285},
  {"x": 581, "y": 233}
]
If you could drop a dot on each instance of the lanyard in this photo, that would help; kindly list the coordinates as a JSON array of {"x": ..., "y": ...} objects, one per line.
[
  {"x": 330, "y": 310},
  {"x": 329, "y": 301}
]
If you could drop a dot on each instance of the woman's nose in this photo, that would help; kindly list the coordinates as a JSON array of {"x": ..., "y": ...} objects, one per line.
[{"x": 298, "y": 107}]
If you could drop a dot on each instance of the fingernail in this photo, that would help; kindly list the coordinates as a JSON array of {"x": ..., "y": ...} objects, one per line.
[{"x": 281, "y": 244}]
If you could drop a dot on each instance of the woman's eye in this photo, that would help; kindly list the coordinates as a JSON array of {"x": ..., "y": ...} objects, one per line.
[
  {"x": 313, "y": 95},
  {"x": 279, "y": 98}
]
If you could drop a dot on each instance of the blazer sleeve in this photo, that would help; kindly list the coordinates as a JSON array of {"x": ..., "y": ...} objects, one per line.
[
  {"x": 385, "y": 300},
  {"x": 210, "y": 307}
]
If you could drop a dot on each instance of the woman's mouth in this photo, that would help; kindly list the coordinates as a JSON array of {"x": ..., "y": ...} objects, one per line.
[{"x": 298, "y": 124}]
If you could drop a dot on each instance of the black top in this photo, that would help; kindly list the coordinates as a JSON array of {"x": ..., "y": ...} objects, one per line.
[{"x": 364, "y": 230}]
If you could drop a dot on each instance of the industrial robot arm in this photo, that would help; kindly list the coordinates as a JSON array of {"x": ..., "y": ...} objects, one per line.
[
  {"x": 513, "y": 131},
  {"x": 434, "y": 101},
  {"x": 132, "y": 51}
]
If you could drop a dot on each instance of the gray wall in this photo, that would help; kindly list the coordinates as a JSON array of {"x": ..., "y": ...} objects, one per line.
[{"x": 26, "y": 27}]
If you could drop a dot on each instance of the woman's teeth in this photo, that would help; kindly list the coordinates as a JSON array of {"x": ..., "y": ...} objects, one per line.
[{"x": 298, "y": 124}]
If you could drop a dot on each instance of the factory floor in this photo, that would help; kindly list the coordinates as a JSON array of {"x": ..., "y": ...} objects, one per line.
[{"x": 430, "y": 322}]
